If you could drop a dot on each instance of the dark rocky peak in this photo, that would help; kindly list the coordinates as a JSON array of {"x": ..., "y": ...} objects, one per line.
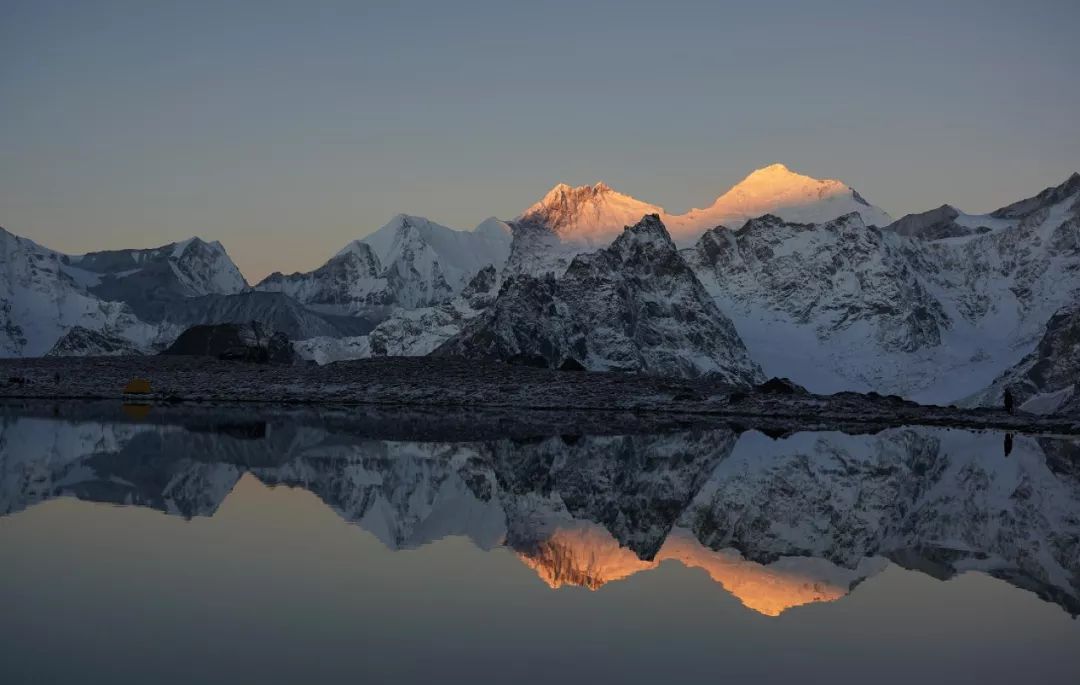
[
  {"x": 1047, "y": 198},
  {"x": 933, "y": 225},
  {"x": 483, "y": 282},
  {"x": 767, "y": 222}
]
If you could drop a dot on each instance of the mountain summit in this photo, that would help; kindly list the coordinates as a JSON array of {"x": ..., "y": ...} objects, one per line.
[
  {"x": 594, "y": 215},
  {"x": 779, "y": 191}
]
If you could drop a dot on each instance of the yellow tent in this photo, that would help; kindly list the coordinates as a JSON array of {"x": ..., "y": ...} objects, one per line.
[{"x": 138, "y": 386}]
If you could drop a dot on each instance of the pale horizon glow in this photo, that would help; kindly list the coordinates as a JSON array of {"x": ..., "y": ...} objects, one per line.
[{"x": 287, "y": 131}]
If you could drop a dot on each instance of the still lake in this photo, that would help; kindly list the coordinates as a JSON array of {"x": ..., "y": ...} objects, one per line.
[{"x": 145, "y": 547}]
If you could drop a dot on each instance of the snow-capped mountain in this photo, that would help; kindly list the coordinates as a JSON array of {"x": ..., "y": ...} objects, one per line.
[
  {"x": 409, "y": 332},
  {"x": 781, "y": 192},
  {"x": 831, "y": 306},
  {"x": 1048, "y": 379},
  {"x": 590, "y": 215},
  {"x": 351, "y": 282},
  {"x": 932, "y": 307},
  {"x": 569, "y": 221},
  {"x": 435, "y": 260},
  {"x": 633, "y": 306},
  {"x": 409, "y": 263},
  {"x": 152, "y": 280},
  {"x": 40, "y": 300},
  {"x": 135, "y": 301}
]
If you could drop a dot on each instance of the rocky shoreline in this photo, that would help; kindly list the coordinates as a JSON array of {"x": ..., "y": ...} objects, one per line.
[{"x": 564, "y": 397}]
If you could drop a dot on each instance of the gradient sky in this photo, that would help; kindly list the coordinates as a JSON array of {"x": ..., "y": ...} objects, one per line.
[{"x": 285, "y": 129}]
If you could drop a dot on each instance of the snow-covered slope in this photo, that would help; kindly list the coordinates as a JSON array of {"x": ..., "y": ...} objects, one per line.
[
  {"x": 40, "y": 301},
  {"x": 833, "y": 306},
  {"x": 1048, "y": 379},
  {"x": 633, "y": 306}
]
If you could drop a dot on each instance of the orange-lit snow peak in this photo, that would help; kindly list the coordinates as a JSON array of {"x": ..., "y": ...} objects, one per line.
[
  {"x": 586, "y": 556},
  {"x": 590, "y": 557},
  {"x": 778, "y": 190},
  {"x": 594, "y": 215}
]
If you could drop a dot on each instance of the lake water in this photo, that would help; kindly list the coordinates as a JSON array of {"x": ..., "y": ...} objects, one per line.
[{"x": 144, "y": 548}]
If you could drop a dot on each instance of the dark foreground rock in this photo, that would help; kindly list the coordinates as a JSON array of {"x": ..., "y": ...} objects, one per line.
[
  {"x": 454, "y": 382},
  {"x": 249, "y": 342}
]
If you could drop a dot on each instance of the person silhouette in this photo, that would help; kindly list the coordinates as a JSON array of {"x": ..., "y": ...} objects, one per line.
[
  {"x": 1008, "y": 444},
  {"x": 1009, "y": 401}
]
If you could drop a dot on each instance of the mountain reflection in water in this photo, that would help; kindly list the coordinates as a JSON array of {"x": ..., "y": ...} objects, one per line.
[{"x": 777, "y": 523}]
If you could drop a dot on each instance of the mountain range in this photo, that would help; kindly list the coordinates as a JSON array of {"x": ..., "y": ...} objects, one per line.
[{"x": 801, "y": 278}]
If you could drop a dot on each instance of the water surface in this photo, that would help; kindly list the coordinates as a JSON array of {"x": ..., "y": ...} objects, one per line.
[{"x": 138, "y": 548}]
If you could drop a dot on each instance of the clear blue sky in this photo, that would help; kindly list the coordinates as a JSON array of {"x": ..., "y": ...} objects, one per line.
[{"x": 286, "y": 129}]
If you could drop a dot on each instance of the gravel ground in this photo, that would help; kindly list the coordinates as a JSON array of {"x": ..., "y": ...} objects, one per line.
[{"x": 444, "y": 383}]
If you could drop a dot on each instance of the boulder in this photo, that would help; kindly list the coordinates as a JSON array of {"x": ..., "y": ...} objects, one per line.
[{"x": 250, "y": 342}]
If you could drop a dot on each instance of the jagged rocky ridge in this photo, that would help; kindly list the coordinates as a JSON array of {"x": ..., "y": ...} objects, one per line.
[
  {"x": 777, "y": 522},
  {"x": 83, "y": 342},
  {"x": 633, "y": 306}
]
